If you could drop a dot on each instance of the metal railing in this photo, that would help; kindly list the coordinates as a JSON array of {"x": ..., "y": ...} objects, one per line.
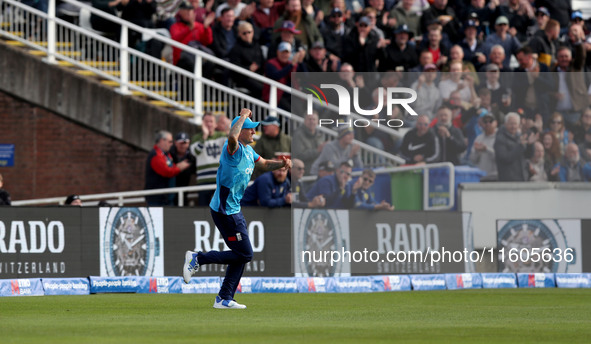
[
  {"x": 126, "y": 197},
  {"x": 425, "y": 171},
  {"x": 135, "y": 72}
]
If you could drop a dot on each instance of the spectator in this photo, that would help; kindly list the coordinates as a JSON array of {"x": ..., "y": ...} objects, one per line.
[
  {"x": 335, "y": 32},
  {"x": 287, "y": 33},
  {"x": 560, "y": 10},
  {"x": 521, "y": 16},
  {"x": 266, "y": 14},
  {"x": 235, "y": 5},
  {"x": 161, "y": 170},
  {"x": 224, "y": 34},
  {"x": 500, "y": 94},
  {"x": 399, "y": 55},
  {"x": 201, "y": 13},
  {"x": 186, "y": 30},
  {"x": 371, "y": 13},
  {"x": 574, "y": 37},
  {"x": 582, "y": 128},
  {"x": 435, "y": 45},
  {"x": 280, "y": 69},
  {"x": 309, "y": 32},
  {"x": 298, "y": 193},
  {"x": 223, "y": 124},
  {"x": 420, "y": 145},
  {"x": 458, "y": 81},
  {"x": 106, "y": 25},
  {"x": 333, "y": 187},
  {"x": 483, "y": 152},
  {"x": 511, "y": 148},
  {"x": 339, "y": 150},
  {"x": 166, "y": 11},
  {"x": 456, "y": 53},
  {"x": 545, "y": 45},
  {"x": 482, "y": 12},
  {"x": 73, "y": 200},
  {"x": 450, "y": 139},
  {"x": 531, "y": 83},
  {"x": 425, "y": 58},
  {"x": 325, "y": 169},
  {"x": 561, "y": 133},
  {"x": 273, "y": 140},
  {"x": 441, "y": 12},
  {"x": 247, "y": 54},
  {"x": 207, "y": 149},
  {"x": 319, "y": 61},
  {"x": 362, "y": 46},
  {"x": 571, "y": 98},
  {"x": 4, "y": 195},
  {"x": 585, "y": 147},
  {"x": 271, "y": 189},
  {"x": 551, "y": 150},
  {"x": 308, "y": 141},
  {"x": 380, "y": 11},
  {"x": 538, "y": 168},
  {"x": 502, "y": 37},
  {"x": 180, "y": 152},
  {"x": 474, "y": 49},
  {"x": 542, "y": 18},
  {"x": 404, "y": 14},
  {"x": 313, "y": 11},
  {"x": 363, "y": 197},
  {"x": 572, "y": 168},
  {"x": 427, "y": 92}
]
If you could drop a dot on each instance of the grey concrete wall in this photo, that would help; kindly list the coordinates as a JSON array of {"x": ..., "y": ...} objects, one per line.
[{"x": 84, "y": 99}]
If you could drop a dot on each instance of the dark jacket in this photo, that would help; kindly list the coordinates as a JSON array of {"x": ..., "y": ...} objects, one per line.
[
  {"x": 510, "y": 155},
  {"x": 220, "y": 46},
  {"x": 575, "y": 81},
  {"x": 450, "y": 148},
  {"x": 393, "y": 57},
  {"x": 4, "y": 197},
  {"x": 413, "y": 145},
  {"x": 266, "y": 192},
  {"x": 243, "y": 54},
  {"x": 361, "y": 57}
]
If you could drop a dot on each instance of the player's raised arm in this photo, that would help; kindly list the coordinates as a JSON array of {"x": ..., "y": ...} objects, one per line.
[
  {"x": 235, "y": 130},
  {"x": 272, "y": 165}
]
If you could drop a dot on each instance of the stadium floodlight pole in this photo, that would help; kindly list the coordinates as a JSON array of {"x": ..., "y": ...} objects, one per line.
[{"x": 51, "y": 33}]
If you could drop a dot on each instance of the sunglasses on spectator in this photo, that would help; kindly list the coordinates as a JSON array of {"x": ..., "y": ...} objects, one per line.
[
  {"x": 365, "y": 179},
  {"x": 245, "y": 32},
  {"x": 487, "y": 121},
  {"x": 362, "y": 25},
  {"x": 345, "y": 172},
  {"x": 337, "y": 15}
]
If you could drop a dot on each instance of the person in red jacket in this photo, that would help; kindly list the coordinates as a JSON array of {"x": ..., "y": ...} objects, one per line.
[
  {"x": 160, "y": 170},
  {"x": 187, "y": 29}
]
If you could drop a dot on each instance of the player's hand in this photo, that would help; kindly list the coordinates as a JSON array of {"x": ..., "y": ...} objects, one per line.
[
  {"x": 246, "y": 113},
  {"x": 286, "y": 162}
]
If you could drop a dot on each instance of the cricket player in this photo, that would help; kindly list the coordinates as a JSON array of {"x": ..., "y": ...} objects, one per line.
[{"x": 237, "y": 163}]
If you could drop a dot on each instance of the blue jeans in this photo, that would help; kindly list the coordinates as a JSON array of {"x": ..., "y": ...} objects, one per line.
[{"x": 234, "y": 231}]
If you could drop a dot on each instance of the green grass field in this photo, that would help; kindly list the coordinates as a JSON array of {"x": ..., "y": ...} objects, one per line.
[{"x": 483, "y": 316}]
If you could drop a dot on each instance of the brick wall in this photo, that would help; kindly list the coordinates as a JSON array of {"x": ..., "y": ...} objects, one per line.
[{"x": 55, "y": 156}]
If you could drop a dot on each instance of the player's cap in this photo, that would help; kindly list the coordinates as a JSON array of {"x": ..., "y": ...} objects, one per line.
[{"x": 248, "y": 124}]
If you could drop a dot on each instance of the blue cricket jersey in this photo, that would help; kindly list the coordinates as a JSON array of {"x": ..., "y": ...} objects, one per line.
[{"x": 232, "y": 178}]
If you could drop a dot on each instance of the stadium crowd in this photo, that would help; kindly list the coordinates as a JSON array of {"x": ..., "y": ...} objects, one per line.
[{"x": 502, "y": 84}]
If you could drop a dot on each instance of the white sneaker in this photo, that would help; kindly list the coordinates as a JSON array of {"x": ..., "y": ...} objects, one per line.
[
  {"x": 190, "y": 267},
  {"x": 227, "y": 304}
]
